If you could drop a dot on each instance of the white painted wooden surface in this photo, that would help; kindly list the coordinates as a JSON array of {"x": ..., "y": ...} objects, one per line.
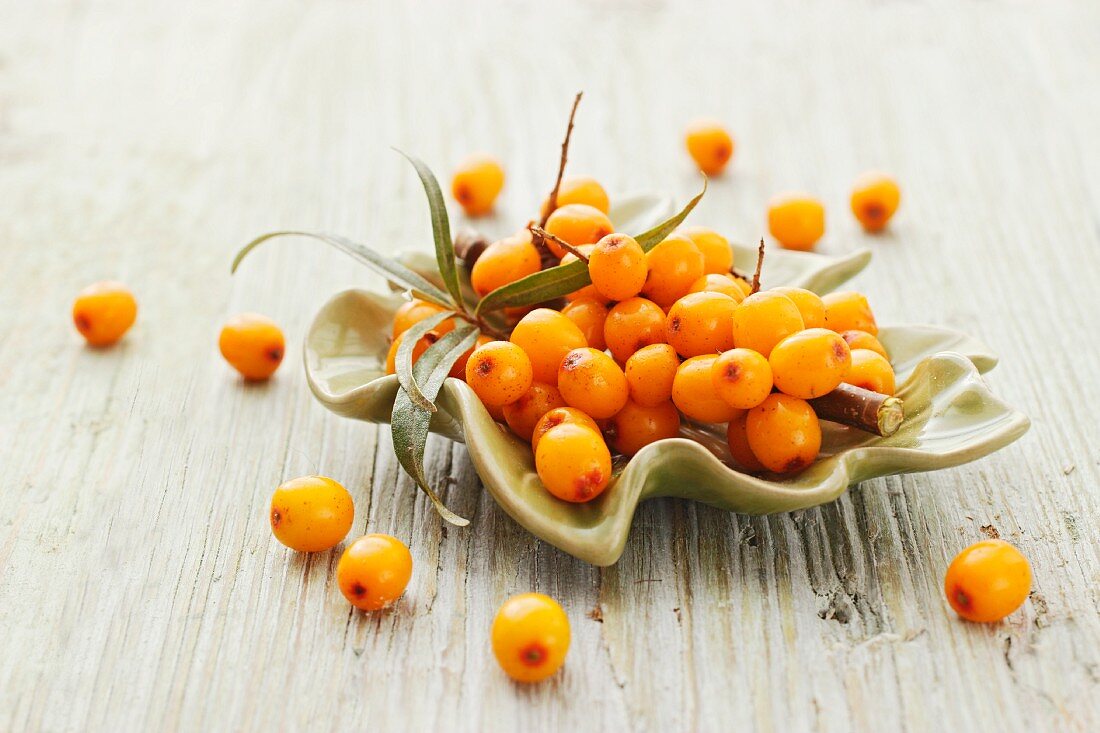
[{"x": 139, "y": 584}]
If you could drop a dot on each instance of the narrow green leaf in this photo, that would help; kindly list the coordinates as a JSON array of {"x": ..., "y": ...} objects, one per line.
[
  {"x": 564, "y": 279},
  {"x": 441, "y": 228},
  {"x": 404, "y": 357},
  {"x": 409, "y": 423},
  {"x": 651, "y": 238},
  {"x": 393, "y": 271}
]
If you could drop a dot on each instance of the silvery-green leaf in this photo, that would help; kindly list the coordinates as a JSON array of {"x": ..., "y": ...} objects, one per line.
[
  {"x": 403, "y": 360},
  {"x": 441, "y": 229}
]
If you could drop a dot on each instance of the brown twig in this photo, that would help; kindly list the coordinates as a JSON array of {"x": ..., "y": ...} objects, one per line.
[
  {"x": 759, "y": 266},
  {"x": 861, "y": 408},
  {"x": 548, "y": 259},
  {"x": 541, "y": 233}
]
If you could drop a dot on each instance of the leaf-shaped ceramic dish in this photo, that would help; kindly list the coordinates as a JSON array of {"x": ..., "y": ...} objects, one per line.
[{"x": 951, "y": 418}]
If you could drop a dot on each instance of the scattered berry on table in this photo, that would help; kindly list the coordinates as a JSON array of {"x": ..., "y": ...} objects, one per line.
[
  {"x": 796, "y": 220},
  {"x": 987, "y": 581},
  {"x": 875, "y": 198},
  {"x": 311, "y": 513},
  {"x": 374, "y": 571},
  {"x": 530, "y": 637},
  {"x": 103, "y": 312},
  {"x": 476, "y": 184},
  {"x": 709, "y": 145},
  {"x": 253, "y": 345}
]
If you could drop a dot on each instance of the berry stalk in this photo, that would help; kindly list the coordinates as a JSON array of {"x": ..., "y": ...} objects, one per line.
[{"x": 862, "y": 409}]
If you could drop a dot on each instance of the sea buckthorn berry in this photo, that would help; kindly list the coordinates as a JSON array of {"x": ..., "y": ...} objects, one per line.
[
  {"x": 253, "y": 345},
  {"x": 796, "y": 220},
  {"x": 810, "y": 363},
  {"x": 530, "y": 637},
  {"x": 693, "y": 391},
  {"x": 764, "y": 319},
  {"x": 701, "y": 323},
  {"x": 738, "y": 439},
  {"x": 717, "y": 255},
  {"x": 573, "y": 462},
  {"x": 561, "y": 416},
  {"x": 809, "y": 304},
  {"x": 589, "y": 315},
  {"x": 847, "y": 311},
  {"x": 875, "y": 198},
  {"x": 546, "y": 336},
  {"x": 631, "y": 325},
  {"x": 674, "y": 266},
  {"x": 618, "y": 267},
  {"x": 458, "y": 369},
  {"x": 862, "y": 340},
  {"x": 592, "y": 382},
  {"x": 103, "y": 312},
  {"x": 742, "y": 377},
  {"x": 577, "y": 224},
  {"x": 987, "y": 581},
  {"x": 374, "y": 571},
  {"x": 580, "y": 190},
  {"x": 523, "y": 414},
  {"x": 416, "y": 310},
  {"x": 503, "y": 262},
  {"x": 421, "y": 346},
  {"x": 476, "y": 184},
  {"x": 650, "y": 372},
  {"x": 311, "y": 513},
  {"x": 636, "y": 426},
  {"x": 499, "y": 372},
  {"x": 709, "y": 145},
  {"x": 588, "y": 292},
  {"x": 870, "y": 370},
  {"x": 783, "y": 433},
  {"x": 715, "y": 283}
]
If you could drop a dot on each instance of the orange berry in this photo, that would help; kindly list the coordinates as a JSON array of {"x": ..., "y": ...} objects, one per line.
[
  {"x": 416, "y": 310},
  {"x": 848, "y": 311},
  {"x": 561, "y": 416},
  {"x": 715, "y": 283},
  {"x": 650, "y": 372},
  {"x": 588, "y": 291},
  {"x": 591, "y": 381},
  {"x": 458, "y": 369},
  {"x": 701, "y": 323},
  {"x": 589, "y": 315},
  {"x": 796, "y": 220},
  {"x": 764, "y": 319},
  {"x": 421, "y": 346},
  {"x": 738, "y": 439},
  {"x": 476, "y": 184},
  {"x": 374, "y": 571},
  {"x": 783, "y": 433},
  {"x": 618, "y": 267},
  {"x": 311, "y": 513},
  {"x": 709, "y": 145},
  {"x": 987, "y": 581},
  {"x": 632, "y": 325},
  {"x": 530, "y": 637},
  {"x": 636, "y": 426},
  {"x": 875, "y": 198},
  {"x": 870, "y": 370},
  {"x": 674, "y": 266},
  {"x": 577, "y": 224},
  {"x": 809, "y": 304},
  {"x": 810, "y": 363},
  {"x": 717, "y": 255},
  {"x": 742, "y": 377},
  {"x": 524, "y": 413},
  {"x": 580, "y": 190},
  {"x": 253, "y": 345},
  {"x": 693, "y": 391},
  {"x": 546, "y": 336},
  {"x": 503, "y": 262},
  {"x": 499, "y": 372},
  {"x": 862, "y": 340},
  {"x": 573, "y": 462},
  {"x": 103, "y": 312}
]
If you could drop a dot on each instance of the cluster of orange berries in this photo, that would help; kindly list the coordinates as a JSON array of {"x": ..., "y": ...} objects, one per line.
[
  {"x": 656, "y": 337},
  {"x": 530, "y": 634},
  {"x": 795, "y": 219}
]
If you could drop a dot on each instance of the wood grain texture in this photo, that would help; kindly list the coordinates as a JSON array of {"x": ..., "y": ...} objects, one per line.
[{"x": 139, "y": 585}]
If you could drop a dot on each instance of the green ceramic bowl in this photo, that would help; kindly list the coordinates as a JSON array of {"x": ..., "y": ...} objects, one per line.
[{"x": 951, "y": 417}]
